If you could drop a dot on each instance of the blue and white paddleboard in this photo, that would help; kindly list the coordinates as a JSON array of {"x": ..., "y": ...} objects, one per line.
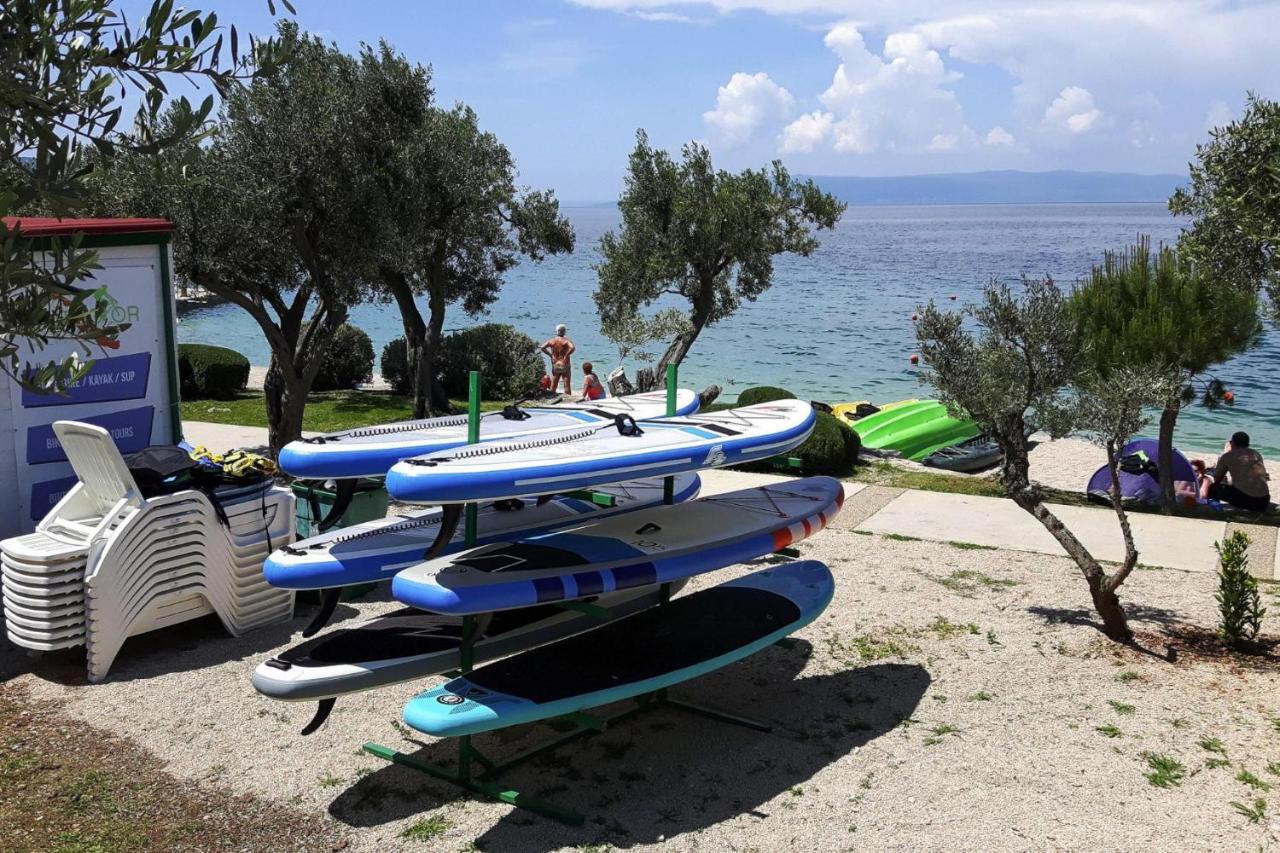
[
  {"x": 572, "y": 459},
  {"x": 370, "y": 451},
  {"x": 605, "y": 555},
  {"x": 376, "y": 550},
  {"x": 660, "y": 647}
]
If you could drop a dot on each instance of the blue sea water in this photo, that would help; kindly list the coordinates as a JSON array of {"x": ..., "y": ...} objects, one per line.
[{"x": 837, "y": 325}]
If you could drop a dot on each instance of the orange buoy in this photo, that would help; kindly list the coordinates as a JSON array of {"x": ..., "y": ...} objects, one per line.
[
  {"x": 915, "y": 359},
  {"x": 1229, "y": 398}
]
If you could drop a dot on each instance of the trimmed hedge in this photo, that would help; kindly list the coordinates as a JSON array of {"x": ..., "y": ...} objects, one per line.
[
  {"x": 508, "y": 361},
  {"x": 395, "y": 366},
  {"x": 347, "y": 362},
  {"x": 763, "y": 394},
  {"x": 207, "y": 371},
  {"x": 832, "y": 448}
]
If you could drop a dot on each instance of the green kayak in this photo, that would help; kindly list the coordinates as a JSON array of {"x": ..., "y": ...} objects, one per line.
[{"x": 914, "y": 429}]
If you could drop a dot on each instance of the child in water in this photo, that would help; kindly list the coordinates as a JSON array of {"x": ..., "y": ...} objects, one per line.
[{"x": 591, "y": 387}]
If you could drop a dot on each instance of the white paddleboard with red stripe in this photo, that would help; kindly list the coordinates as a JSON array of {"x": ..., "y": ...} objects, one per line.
[{"x": 649, "y": 546}]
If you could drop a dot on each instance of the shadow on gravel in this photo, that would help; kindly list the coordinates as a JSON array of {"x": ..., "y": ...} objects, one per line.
[
  {"x": 184, "y": 647},
  {"x": 1083, "y": 616},
  {"x": 665, "y": 773}
]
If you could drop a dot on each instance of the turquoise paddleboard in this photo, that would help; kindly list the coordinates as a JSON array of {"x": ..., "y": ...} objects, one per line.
[{"x": 660, "y": 647}]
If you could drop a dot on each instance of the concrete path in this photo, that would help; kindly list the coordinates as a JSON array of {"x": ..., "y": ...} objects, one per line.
[{"x": 223, "y": 437}]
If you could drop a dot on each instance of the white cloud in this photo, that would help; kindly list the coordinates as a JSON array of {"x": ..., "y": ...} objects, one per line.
[
  {"x": 897, "y": 100},
  {"x": 942, "y": 142},
  {"x": 999, "y": 136},
  {"x": 745, "y": 104},
  {"x": 1073, "y": 111},
  {"x": 806, "y": 133},
  {"x": 1219, "y": 114}
]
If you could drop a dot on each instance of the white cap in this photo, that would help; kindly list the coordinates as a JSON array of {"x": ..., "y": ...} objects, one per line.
[{"x": 561, "y": 329}]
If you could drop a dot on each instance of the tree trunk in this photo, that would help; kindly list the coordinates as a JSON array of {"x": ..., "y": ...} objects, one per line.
[
  {"x": 1017, "y": 483},
  {"x": 652, "y": 379},
  {"x": 286, "y": 398},
  {"x": 1164, "y": 460},
  {"x": 422, "y": 343}
]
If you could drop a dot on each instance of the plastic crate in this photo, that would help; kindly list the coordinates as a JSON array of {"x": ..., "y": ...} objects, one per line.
[{"x": 314, "y": 500}]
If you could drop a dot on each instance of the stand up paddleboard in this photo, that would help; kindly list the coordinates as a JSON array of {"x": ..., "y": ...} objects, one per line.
[
  {"x": 376, "y": 550},
  {"x": 573, "y": 459},
  {"x": 370, "y": 451},
  {"x": 658, "y": 648},
  {"x": 409, "y": 644},
  {"x": 650, "y": 546}
]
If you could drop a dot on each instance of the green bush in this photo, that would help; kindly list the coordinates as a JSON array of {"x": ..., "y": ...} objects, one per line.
[
  {"x": 348, "y": 362},
  {"x": 395, "y": 366},
  {"x": 763, "y": 394},
  {"x": 1238, "y": 602},
  {"x": 206, "y": 371},
  {"x": 508, "y": 361},
  {"x": 831, "y": 449}
]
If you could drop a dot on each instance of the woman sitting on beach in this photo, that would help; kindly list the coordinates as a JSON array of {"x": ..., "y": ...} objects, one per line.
[
  {"x": 1248, "y": 476},
  {"x": 592, "y": 389}
]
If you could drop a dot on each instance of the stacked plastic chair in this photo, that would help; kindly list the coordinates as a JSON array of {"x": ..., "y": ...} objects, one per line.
[{"x": 107, "y": 564}]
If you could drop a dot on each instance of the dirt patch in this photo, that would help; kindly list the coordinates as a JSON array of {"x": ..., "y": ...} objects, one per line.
[{"x": 66, "y": 786}]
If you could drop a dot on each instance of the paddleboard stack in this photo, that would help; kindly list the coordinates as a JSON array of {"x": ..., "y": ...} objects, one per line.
[
  {"x": 106, "y": 563},
  {"x": 571, "y": 577}
]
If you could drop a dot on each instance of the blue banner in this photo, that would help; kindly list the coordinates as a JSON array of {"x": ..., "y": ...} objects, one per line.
[
  {"x": 45, "y": 495},
  {"x": 130, "y": 430},
  {"x": 121, "y": 377}
]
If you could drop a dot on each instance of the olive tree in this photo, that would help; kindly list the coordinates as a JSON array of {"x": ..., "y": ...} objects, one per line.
[
  {"x": 65, "y": 66},
  {"x": 456, "y": 224},
  {"x": 280, "y": 212},
  {"x": 1155, "y": 311},
  {"x": 703, "y": 236},
  {"x": 1234, "y": 196},
  {"x": 1018, "y": 357}
]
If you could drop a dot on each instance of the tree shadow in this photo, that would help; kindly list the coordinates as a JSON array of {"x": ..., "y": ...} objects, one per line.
[
  {"x": 666, "y": 773},
  {"x": 1137, "y": 613}
]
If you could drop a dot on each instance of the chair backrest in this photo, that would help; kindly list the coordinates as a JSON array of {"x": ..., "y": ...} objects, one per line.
[{"x": 98, "y": 464}]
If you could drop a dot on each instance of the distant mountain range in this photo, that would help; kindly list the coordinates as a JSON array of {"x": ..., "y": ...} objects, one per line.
[{"x": 1002, "y": 187}]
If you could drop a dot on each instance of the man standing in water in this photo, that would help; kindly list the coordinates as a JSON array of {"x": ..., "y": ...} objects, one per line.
[{"x": 559, "y": 349}]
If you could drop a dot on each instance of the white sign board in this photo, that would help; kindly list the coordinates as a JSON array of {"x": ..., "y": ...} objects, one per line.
[{"x": 130, "y": 390}]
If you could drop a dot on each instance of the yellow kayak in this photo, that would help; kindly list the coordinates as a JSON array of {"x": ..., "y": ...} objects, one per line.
[{"x": 848, "y": 412}]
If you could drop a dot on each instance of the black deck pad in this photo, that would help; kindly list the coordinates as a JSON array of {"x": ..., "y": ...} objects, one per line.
[
  {"x": 689, "y": 630},
  {"x": 514, "y": 557},
  {"x": 431, "y": 633}
]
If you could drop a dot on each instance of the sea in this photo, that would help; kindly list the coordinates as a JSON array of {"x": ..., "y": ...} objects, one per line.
[{"x": 837, "y": 325}]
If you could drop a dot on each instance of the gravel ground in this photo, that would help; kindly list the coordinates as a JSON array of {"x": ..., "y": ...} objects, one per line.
[{"x": 949, "y": 699}]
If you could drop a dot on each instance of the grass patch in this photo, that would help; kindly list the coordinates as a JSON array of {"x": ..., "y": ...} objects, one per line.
[
  {"x": 1109, "y": 730},
  {"x": 1252, "y": 781},
  {"x": 1274, "y": 768},
  {"x": 898, "y": 537},
  {"x": 940, "y": 731},
  {"x": 972, "y": 546},
  {"x": 1212, "y": 744},
  {"x": 1127, "y": 676},
  {"x": 1216, "y": 763},
  {"x": 969, "y": 581},
  {"x": 944, "y": 629},
  {"x": 67, "y": 786},
  {"x": 869, "y": 647},
  {"x": 981, "y": 696},
  {"x": 1166, "y": 771},
  {"x": 1122, "y": 708},
  {"x": 327, "y": 411},
  {"x": 1254, "y": 812},
  {"x": 328, "y": 780},
  {"x": 426, "y": 829}
]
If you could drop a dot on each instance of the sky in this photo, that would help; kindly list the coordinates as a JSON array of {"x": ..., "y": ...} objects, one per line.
[{"x": 831, "y": 87}]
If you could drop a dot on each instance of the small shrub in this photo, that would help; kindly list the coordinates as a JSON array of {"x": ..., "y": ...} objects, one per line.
[
  {"x": 507, "y": 359},
  {"x": 1238, "y": 602},
  {"x": 208, "y": 371},
  {"x": 394, "y": 366},
  {"x": 831, "y": 449},
  {"x": 763, "y": 394},
  {"x": 1166, "y": 772},
  {"x": 348, "y": 361}
]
